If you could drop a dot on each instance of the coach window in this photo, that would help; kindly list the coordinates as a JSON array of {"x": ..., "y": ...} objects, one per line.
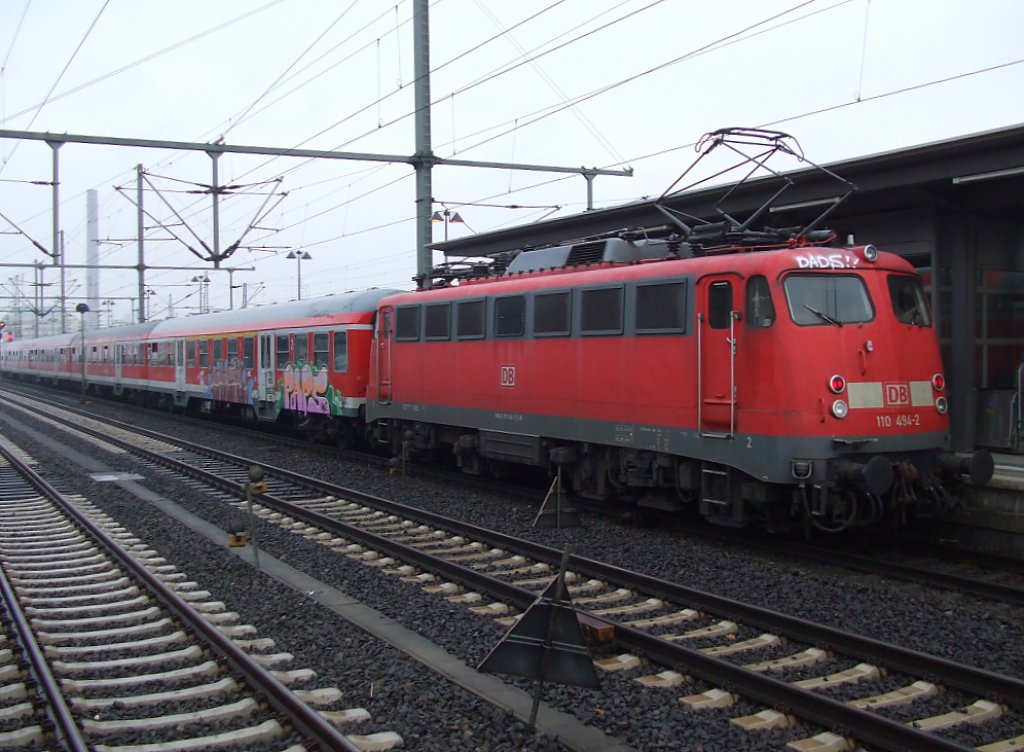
[
  {"x": 661, "y": 308},
  {"x": 204, "y": 358},
  {"x": 282, "y": 351},
  {"x": 218, "y": 353},
  {"x": 437, "y": 321},
  {"x": 233, "y": 350},
  {"x": 340, "y": 351},
  {"x": 190, "y": 350},
  {"x": 301, "y": 347},
  {"x": 551, "y": 314},
  {"x": 321, "y": 348},
  {"x": 154, "y": 353},
  {"x": 407, "y": 324},
  {"x": 510, "y": 316},
  {"x": 248, "y": 352},
  {"x": 760, "y": 309},
  {"x": 470, "y": 319},
  {"x": 601, "y": 311}
]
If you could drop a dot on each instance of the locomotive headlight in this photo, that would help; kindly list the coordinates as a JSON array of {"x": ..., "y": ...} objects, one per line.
[
  {"x": 941, "y": 405},
  {"x": 870, "y": 253},
  {"x": 840, "y": 409},
  {"x": 938, "y": 382},
  {"x": 837, "y": 384}
]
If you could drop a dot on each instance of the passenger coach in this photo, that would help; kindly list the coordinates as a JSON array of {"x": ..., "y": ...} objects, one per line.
[{"x": 305, "y": 362}]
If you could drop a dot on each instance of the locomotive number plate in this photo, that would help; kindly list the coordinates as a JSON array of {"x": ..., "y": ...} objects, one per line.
[{"x": 904, "y": 420}]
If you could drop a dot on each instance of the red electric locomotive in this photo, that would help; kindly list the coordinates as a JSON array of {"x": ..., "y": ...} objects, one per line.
[
  {"x": 754, "y": 386},
  {"x": 756, "y": 377}
]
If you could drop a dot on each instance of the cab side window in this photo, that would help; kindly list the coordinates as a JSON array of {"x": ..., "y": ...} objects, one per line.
[{"x": 760, "y": 309}]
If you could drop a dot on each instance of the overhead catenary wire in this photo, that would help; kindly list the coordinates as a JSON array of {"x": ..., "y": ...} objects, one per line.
[
  {"x": 64, "y": 70},
  {"x": 790, "y": 118},
  {"x": 135, "y": 63}
]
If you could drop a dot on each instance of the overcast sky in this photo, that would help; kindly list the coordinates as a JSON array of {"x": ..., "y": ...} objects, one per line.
[{"x": 605, "y": 83}]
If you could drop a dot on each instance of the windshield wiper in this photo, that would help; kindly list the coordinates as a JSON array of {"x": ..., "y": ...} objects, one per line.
[{"x": 823, "y": 316}]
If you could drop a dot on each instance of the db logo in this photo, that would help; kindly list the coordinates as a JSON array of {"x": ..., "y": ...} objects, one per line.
[
  {"x": 897, "y": 394},
  {"x": 508, "y": 376}
]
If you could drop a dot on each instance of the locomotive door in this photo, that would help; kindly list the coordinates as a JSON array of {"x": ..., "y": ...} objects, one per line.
[
  {"x": 382, "y": 342},
  {"x": 265, "y": 368},
  {"x": 716, "y": 357}
]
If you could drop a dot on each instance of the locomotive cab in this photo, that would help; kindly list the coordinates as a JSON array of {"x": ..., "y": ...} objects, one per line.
[{"x": 855, "y": 390}]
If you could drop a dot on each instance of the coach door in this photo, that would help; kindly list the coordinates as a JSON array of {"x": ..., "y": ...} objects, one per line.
[
  {"x": 265, "y": 367},
  {"x": 382, "y": 340},
  {"x": 716, "y": 356},
  {"x": 179, "y": 365}
]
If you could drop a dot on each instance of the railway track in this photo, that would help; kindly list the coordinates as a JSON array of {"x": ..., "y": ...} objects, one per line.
[
  {"x": 689, "y": 634},
  {"x": 105, "y": 646},
  {"x": 968, "y": 575}
]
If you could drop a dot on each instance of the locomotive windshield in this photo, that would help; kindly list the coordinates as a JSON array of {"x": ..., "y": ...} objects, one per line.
[
  {"x": 908, "y": 301},
  {"x": 827, "y": 299}
]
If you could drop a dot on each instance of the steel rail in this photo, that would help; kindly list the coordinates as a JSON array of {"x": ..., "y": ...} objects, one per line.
[
  {"x": 866, "y": 726},
  {"x": 65, "y": 727},
  {"x": 306, "y": 720}
]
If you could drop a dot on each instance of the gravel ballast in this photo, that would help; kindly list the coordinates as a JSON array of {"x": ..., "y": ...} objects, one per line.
[{"x": 432, "y": 713}]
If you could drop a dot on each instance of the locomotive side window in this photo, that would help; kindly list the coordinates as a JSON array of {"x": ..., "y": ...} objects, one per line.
[
  {"x": 661, "y": 308},
  {"x": 248, "y": 352},
  {"x": 340, "y": 351},
  {"x": 760, "y": 309},
  {"x": 470, "y": 319},
  {"x": 720, "y": 305},
  {"x": 407, "y": 323},
  {"x": 908, "y": 301},
  {"x": 510, "y": 316},
  {"x": 437, "y": 321},
  {"x": 601, "y": 311},
  {"x": 827, "y": 299},
  {"x": 551, "y": 314},
  {"x": 321, "y": 348},
  {"x": 282, "y": 350}
]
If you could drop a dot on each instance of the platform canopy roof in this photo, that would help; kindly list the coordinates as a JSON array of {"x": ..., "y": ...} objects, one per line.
[{"x": 982, "y": 174}]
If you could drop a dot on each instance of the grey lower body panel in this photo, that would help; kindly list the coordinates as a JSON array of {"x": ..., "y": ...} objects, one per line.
[{"x": 765, "y": 457}]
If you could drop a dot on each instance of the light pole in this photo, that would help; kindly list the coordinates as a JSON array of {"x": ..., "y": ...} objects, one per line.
[
  {"x": 299, "y": 257},
  {"x": 82, "y": 309},
  {"x": 148, "y": 303},
  {"x": 109, "y": 305},
  {"x": 203, "y": 282},
  {"x": 447, "y": 216}
]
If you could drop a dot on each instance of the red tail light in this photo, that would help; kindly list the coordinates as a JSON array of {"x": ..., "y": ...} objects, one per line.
[
  {"x": 838, "y": 384},
  {"x": 938, "y": 382}
]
